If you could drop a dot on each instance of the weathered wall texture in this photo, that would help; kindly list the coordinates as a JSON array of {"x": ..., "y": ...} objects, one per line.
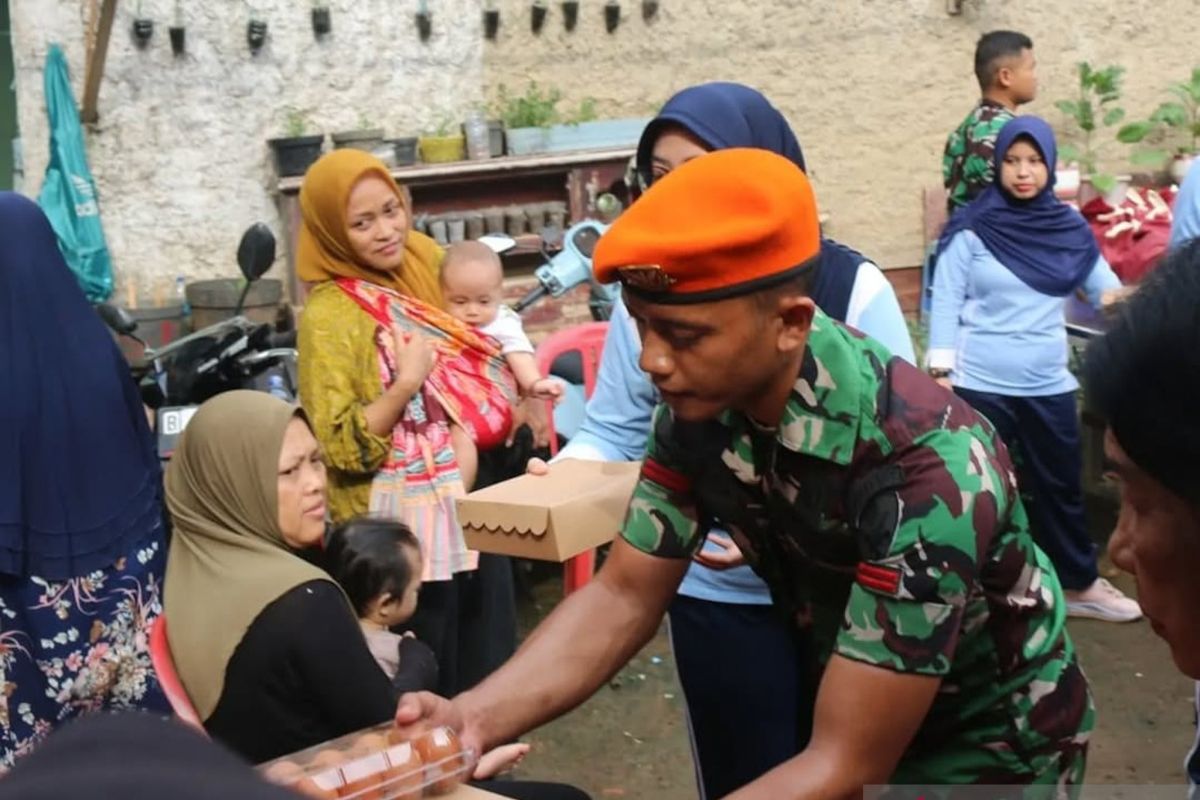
[
  {"x": 871, "y": 86},
  {"x": 180, "y": 154}
]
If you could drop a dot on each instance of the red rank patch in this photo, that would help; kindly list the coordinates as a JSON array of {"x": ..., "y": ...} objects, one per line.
[
  {"x": 882, "y": 580},
  {"x": 665, "y": 477}
]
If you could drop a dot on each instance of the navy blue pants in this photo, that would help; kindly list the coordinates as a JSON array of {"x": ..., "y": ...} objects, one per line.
[
  {"x": 743, "y": 671},
  {"x": 1042, "y": 435}
]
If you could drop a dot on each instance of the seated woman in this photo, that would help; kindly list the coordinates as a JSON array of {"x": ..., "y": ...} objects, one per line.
[
  {"x": 385, "y": 374},
  {"x": 267, "y": 645}
]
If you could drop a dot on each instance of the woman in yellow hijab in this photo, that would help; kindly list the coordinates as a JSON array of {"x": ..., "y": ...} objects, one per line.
[{"x": 384, "y": 373}]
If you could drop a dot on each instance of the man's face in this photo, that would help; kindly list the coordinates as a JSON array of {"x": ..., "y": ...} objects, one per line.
[
  {"x": 1020, "y": 74},
  {"x": 1157, "y": 540},
  {"x": 709, "y": 357}
]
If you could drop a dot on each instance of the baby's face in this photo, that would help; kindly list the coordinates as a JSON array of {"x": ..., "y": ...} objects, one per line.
[{"x": 472, "y": 292}]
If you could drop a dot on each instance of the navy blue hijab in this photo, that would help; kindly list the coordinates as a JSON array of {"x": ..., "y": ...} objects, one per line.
[
  {"x": 1043, "y": 241},
  {"x": 79, "y": 477},
  {"x": 724, "y": 115}
]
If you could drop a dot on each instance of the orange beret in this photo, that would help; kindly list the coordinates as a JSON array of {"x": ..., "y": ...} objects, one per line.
[{"x": 728, "y": 223}]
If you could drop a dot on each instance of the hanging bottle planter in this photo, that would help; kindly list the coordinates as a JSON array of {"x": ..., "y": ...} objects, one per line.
[
  {"x": 424, "y": 22},
  {"x": 537, "y": 16},
  {"x": 321, "y": 22},
  {"x": 256, "y": 34},
  {"x": 570, "y": 9},
  {"x": 143, "y": 29},
  {"x": 491, "y": 22},
  {"x": 612, "y": 15},
  {"x": 177, "y": 32},
  {"x": 649, "y": 9}
]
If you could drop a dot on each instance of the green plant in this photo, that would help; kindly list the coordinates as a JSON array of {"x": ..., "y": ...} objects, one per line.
[
  {"x": 295, "y": 123},
  {"x": 585, "y": 113},
  {"x": 365, "y": 123},
  {"x": 1093, "y": 109},
  {"x": 1175, "y": 122},
  {"x": 534, "y": 109},
  {"x": 443, "y": 127}
]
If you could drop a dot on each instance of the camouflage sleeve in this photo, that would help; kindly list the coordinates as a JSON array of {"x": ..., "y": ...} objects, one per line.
[
  {"x": 663, "y": 519},
  {"x": 978, "y": 163},
  {"x": 922, "y": 539}
]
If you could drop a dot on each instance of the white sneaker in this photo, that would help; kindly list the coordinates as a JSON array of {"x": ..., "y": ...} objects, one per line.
[{"x": 1102, "y": 601}]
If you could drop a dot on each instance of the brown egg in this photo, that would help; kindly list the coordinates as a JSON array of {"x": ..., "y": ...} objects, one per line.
[
  {"x": 284, "y": 772},
  {"x": 443, "y": 757},
  {"x": 405, "y": 774},
  {"x": 325, "y": 775},
  {"x": 310, "y": 788},
  {"x": 365, "y": 777}
]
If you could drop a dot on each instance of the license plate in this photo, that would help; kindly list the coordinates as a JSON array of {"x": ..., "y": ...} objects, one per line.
[{"x": 171, "y": 422}]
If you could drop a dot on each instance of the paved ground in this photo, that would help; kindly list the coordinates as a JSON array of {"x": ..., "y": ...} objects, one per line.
[{"x": 630, "y": 739}]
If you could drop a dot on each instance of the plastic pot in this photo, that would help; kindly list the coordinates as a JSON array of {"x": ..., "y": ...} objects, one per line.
[
  {"x": 424, "y": 25},
  {"x": 143, "y": 29},
  {"x": 524, "y": 141},
  {"x": 368, "y": 139},
  {"x": 322, "y": 24},
  {"x": 649, "y": 9},
  {"x": 178, "y": 36},
  {"x": 256, "y": 34},
  {"x": 495, "y": 138},
  {"x": 612, "y": 15},
  {"x": 295, "y": 154},
  {"x": 570, "y": 9},
  {"x": 442, "y": 149},
  {"x": 406, "y": 150},
  {"x": 491, "y": 22},
  {"x": 537, "y": 16}
]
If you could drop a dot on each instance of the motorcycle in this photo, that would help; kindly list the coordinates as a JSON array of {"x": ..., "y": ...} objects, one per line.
[{"x": 235, "y": 353}]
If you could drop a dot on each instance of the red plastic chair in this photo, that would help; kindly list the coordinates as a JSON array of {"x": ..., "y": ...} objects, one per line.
[
  {"x": 588, "y": 340},
  {"x": 164, "y": 666}
]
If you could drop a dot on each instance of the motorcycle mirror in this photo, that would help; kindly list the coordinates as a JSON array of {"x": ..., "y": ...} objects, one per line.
[
  {"x": 498, "y": 242},
  {"x": 256, "y": 251},
  {"x": 118, "y": 319}
]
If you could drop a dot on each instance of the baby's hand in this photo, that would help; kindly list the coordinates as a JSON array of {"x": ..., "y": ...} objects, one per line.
[
  {"x": 546, "y": 389},
  {"x": 502, "y": 759}
]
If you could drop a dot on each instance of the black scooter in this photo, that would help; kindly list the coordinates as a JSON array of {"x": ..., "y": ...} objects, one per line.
[{"x": 232, "y": 354}]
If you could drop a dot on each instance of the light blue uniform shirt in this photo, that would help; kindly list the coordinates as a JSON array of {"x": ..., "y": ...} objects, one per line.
[
  {"x": 1186, "y": 210},
  {"x": 617, "y": 424},
  {"x": 995, "y": 332}
]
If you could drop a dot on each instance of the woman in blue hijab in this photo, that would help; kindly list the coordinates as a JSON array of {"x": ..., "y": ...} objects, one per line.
[
  {"x": 742, "y": 666},
  {"x": 82, "y": 541},
  {"x": 1006, "y": 265}
]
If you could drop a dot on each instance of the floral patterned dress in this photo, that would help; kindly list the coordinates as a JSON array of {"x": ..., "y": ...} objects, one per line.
[{"x": 78, "y": 646}]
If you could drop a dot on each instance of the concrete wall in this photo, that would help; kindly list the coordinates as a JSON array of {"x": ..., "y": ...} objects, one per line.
[{"x": 871, "y": 87}]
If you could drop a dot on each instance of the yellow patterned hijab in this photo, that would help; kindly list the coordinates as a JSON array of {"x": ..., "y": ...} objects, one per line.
[{"x": 324, "y": 251}]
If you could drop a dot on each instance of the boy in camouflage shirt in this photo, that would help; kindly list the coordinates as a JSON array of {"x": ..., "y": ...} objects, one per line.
[
  {"x": 1007, "y": 75},
  {"x": 881, "y": 510}
]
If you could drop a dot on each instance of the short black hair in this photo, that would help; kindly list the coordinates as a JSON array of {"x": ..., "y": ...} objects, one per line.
[
  {"x": 992, "y": 48},
  {"x": 1143, "y": 376},
  {"x": 366, "y": 557}
]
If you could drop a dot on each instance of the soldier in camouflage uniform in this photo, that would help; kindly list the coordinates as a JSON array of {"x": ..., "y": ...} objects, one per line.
[
  {"x": 881, "y": 510},
  {"x": 1006, "y": 70}
]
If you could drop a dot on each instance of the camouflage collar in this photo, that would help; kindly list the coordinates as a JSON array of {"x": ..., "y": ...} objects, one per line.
[{"x": 823, "y": 414}]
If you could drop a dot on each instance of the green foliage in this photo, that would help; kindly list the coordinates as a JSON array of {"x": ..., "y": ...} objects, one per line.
[
  {"x": 533, "y": 109},
  {"x": 295, "y": 123},
  {"x": 1094, "y": 108},
  {"x": 1174, "y": 125},
  {"x": 585, "y": 113}
]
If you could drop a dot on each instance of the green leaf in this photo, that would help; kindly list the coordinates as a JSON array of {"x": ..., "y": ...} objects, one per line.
[
  {"x": 1104, "y": 183},
  {"x": 1068, "y": 107},
  {"x": 1134, "y": 132},
  {"x": 1113, "y": 116},
  {"x": 1172, "y": 114},
  {"x": 1068, "y": 153},
  {"x": 1149, "y": 158},
  {"x": 1086, "y": 117}
]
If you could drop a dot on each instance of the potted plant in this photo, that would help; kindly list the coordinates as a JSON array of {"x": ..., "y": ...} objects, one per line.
[
  {"x": 583, "y": 131},
  {"x": 406, "y": 150},
  {"x": 424, "y": 21},
  {"x": 1094, "y": 108},
  {"x": 491, "y": 20},
  {"x": 442, "y": 146},
  {"x": 537, "y": 15},
  {"x": 1175, "y": 124},
  {"x": 322, "y": 24},
  {"x": 612, "y": 15},
  {"x": 143, "y": 27},
  {"x": 649, "y": 9},
  {"x": 527, "y": 118},
  {"x": 570, "y": 9},
  {"x": 297, "y": 149},
  {"x": 365, "y": 137}
]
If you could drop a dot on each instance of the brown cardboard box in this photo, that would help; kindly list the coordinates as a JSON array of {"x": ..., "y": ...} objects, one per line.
[{"x": 578, "y": 506}]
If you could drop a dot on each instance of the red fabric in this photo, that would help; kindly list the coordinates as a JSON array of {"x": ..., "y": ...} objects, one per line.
[{"x": 1133, "y": 236}]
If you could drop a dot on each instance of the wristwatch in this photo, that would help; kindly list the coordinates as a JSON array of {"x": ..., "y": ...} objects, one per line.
[{"x": 939, "y": 372}]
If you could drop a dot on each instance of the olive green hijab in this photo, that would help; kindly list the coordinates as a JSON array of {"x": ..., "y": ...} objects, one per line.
[{"x": 228, "y": 559}]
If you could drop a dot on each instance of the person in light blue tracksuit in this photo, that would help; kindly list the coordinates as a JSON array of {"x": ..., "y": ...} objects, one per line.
[{"x": 741, "y": 665}]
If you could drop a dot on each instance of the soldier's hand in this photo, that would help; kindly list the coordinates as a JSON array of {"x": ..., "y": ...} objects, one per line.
[{"x": 728, "y": 557}]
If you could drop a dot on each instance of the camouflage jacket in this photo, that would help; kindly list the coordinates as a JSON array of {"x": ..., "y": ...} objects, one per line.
[
  {"x": 967, "y": 161},
  {"x": 883, "y": 513}
]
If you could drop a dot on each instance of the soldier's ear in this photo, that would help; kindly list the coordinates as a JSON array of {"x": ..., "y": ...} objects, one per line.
[{"x": 796, "y": 316}]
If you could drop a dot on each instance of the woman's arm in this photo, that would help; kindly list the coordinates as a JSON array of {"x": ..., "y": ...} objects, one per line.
[
  {"x": 1100, "y": 283},
  {"x": 617, "y": 423},
  {"x": 949, "y": 295},
  {"x": 875, "y": 310}
]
